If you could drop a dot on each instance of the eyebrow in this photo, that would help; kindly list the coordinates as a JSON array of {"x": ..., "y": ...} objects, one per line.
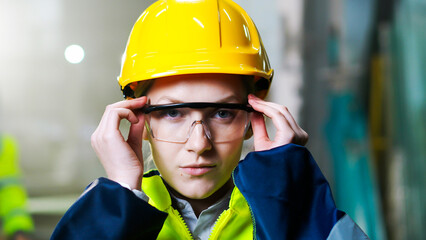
[
  {"x": 150, "y": 108},
  {"x": 223, "y": 100}
]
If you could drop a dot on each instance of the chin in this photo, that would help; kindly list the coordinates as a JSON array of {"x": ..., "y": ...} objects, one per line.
[
  {"x": 196, "y": 190},
  {"x": 197, "y": 196}
]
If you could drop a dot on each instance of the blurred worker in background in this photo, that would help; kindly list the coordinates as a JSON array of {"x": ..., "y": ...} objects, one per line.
[
  {"x": 15, "y": 219},
  {"x": 195, "y": 76}
]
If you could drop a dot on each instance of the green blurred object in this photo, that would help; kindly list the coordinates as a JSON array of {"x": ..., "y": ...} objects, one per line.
[
  {"x": 408, "y": 111},
  {"x": 13, "y": 198},
  {"x": 375, "y": 112},
  {"x": 346, "y": 130},
  {"x": 355, "y": 187}
]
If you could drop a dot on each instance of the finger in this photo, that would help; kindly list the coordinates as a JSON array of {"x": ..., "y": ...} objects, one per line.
[
  {"x": 115, "y": 116},
  {"x": 301, "y": 137},
  {"x": 108, "y": 128},
  {"x": 135, "y": 135},
  {"x": 278, "y": 119},
  {"x": 108, "y": 132},
  {"x": 282, "y": 109},
  {"x": 259, "y": 128},
  {"x": 297, "y": 135},
  {"x": 130, "y": 104}
]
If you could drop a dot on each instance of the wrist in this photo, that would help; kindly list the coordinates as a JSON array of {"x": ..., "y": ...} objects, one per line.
[{"x": 128, "y": 181}]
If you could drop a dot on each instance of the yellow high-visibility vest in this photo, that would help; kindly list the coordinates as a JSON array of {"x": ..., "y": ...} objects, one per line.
[
  {"x": 234, "y": 223},
  {"x": 13, "y": 197}
]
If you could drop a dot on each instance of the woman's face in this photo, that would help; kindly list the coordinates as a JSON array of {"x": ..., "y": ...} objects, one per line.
[{"x": 198, "y": 168}]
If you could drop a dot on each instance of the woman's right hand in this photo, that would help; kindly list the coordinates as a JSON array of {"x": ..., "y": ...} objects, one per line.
[{"x": 122, "y": 159}]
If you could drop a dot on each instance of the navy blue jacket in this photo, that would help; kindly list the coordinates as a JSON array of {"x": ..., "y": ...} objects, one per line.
[{"x": 286, "y": 191}]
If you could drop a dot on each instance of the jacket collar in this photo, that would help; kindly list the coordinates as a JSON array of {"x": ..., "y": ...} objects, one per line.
[{"x": 159, "y": 196}]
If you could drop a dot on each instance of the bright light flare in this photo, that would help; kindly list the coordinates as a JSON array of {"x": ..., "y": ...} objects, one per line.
[{"x": 74, "y": 54}]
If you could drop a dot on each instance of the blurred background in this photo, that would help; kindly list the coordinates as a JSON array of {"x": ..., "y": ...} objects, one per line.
[{"x": 352, "y": 72}]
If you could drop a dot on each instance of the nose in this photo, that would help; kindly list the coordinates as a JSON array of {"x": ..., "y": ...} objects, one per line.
[{"x": 199, "y": 139}]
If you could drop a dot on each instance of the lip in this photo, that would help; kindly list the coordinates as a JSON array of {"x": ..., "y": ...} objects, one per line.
[{"x": 197, "y": 170}]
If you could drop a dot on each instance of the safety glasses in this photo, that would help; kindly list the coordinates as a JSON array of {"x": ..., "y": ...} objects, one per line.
[{"x": 221, "y": 122}]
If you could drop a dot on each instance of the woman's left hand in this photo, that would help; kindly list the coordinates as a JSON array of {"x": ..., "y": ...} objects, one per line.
[{"x": 288, "y": 131}]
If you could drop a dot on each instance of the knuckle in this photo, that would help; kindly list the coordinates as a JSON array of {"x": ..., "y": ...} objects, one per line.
[
  {"x": 94, "y": 141},
  {"x": 291, "y": 135},
  {"x": 113, "y": 110},
  {"x": 108, "y": 137},
  {"x": 109, "y": 107},
  {"x": 93, "y": 138},
  {"x": 121, "y": 112},
  {"x": 276, "y": 112},
  {"x": 303, "y": 133}
]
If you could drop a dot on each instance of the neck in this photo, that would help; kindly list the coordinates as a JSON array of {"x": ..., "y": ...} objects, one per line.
[{"x": 198, "y": 205}]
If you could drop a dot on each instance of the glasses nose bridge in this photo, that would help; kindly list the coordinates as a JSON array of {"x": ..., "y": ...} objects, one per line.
[{"x": 203, "y": 125}]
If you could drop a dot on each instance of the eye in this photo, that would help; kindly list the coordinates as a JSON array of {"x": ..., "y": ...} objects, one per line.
[
  {"x": 169, "y": 114},
  {"x": 172, "y": 113},
  {"x": 224, "y": 114}
]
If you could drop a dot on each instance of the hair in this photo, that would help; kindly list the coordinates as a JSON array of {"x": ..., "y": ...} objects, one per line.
[
  {"x": 143, "y": 87},
  {"x": 249, "y": 84}
]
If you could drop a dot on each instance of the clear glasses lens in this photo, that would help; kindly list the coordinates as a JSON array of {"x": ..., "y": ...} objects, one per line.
[{"x": 177, "y": 124}]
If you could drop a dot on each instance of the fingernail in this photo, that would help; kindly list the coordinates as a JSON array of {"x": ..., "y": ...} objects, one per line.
[{"x": 254, "y": 98}]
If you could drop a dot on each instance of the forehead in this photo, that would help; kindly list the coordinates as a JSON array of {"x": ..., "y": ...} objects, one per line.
[{"x": 198, "y": 88}]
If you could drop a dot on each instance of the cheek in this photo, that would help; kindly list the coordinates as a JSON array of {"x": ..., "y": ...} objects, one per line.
[
  {"x": 230, "y": 153},
  {"x": 164, "y": 155}
]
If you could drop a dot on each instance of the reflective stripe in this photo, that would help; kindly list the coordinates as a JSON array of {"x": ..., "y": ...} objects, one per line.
[
  {"x": 9, "y": 181},
  {"x": 16, "y": 212},
  {"x": 346, "y": 229},
  {"x": 17, "y": 220}
]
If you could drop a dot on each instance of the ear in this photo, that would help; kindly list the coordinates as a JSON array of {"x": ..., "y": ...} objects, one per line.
[{"x": 249, "y": 133}]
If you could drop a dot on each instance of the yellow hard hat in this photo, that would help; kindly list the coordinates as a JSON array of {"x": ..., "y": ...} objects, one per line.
[{"x": 176, "y": 37}]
